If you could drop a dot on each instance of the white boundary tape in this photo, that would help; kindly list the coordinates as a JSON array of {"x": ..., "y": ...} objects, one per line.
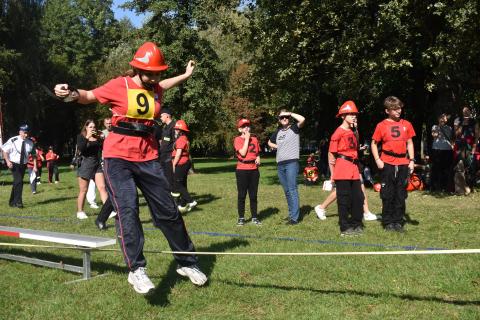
[{"x": 204, "y": 253}]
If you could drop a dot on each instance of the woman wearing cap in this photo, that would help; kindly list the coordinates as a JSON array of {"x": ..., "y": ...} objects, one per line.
[
  {"x": 287, "y": 142},
  {"x": 181, "y": 165},
  {"x": 247, "y": 150},
  {"x": 89, "y": 145},
  {"x": 130, "y": 161}
]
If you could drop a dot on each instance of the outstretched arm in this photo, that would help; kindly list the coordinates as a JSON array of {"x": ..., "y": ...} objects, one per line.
[
  {"x": 81, "y": 96},
  {"x": 175, "y": 81}
]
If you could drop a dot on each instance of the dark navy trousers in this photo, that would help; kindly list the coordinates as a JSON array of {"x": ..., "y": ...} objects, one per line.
[{"x": 123, "y": 177}]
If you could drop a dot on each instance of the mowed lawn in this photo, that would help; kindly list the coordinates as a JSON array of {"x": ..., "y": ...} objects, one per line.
[{"x": 250, "y": 287}]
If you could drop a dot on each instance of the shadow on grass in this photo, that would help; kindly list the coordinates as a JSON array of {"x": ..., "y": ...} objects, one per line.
[
  {"x": 410, "y": 221},
  {"x": 163, "y": 289},
  {"x": 268, "y": 212},
  {"x": 304, "y": 211},
  {"x": 55, "y": 200},
  {"x": 408, "y": 297}
]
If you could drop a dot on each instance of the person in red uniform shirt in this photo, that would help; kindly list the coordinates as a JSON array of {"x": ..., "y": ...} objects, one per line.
[
  {"x": 247, "y": 150},
  {"x": 52, "y": 165},
  {"x": 130, "y": 161},
  {"x": 343, "y": 161},
  {"x": 34, "y": 175},
  {"x": 181, "y": 165},
  {"x": 396, "y": 162}
]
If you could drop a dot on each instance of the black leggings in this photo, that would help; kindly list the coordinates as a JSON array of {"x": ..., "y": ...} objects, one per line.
[
  {"x": 180, "y": 183},
  {"x": 247, "y": 180}
]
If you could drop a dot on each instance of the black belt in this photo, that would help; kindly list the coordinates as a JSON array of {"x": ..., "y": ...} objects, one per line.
[
  {"x": 394, "y": 154},
  {"x": 135, "y": 129},
  {"x": 246, "y": 161},
  {"x": 341, "y": 156}
]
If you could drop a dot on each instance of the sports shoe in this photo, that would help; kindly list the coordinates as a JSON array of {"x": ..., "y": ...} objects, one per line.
[
  {"x": 112, "y": 215},
  {"x": 291, "y": 222},
  {"x": 358, "y": 230},
  {"x": 191, "y": 205},
  {"x": 368, "y": 216},
  {"x": 56, "y": 182},
  {"x": 241, "y": 222},
  {"x": 93, "y": 205},
  {"x": 320, "y": 212},
  {"x": 81, "y": 215},
  {"x": 398, "y": 227},
  {"x": 350, "y": 232},
  {"x": 256, "y": 221},
  {"x": 194, "y": 274},
  {"x": 389, "y": 227},
  {"x": 183, "y": 209},
  {"x": 140, "y": 281}
]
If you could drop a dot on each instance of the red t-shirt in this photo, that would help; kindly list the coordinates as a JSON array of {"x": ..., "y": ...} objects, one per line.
[
  {"x": 252, "y": 153},
  {"x": 344, "y": 142},
  {"x": 51, "y": 156},
  {"x": 394, "y": 135},
  {"x": 182, "y": 143},
  {"x": 39, "y": 153},
  {"x": 130, "y": 103}
]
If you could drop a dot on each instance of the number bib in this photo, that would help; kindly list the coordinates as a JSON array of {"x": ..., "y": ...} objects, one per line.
[{"x": 141, "y": 104}]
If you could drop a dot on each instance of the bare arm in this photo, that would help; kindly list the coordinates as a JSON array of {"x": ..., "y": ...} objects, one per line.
[
  {"x": 376, "y": 156},
  {"x": 331, "y": 162},
  {"x": 271, "y": 144},
  {"x": 244, "y": 149},
  {"x": 178, "y": 154},
  {"x": 7, "y": 160},
  {"x": 299, "y": 118},
  {"x": 84, "y": 96},
  {"x": 175, "y": 81},
  {"x": 411, "y": 154}
]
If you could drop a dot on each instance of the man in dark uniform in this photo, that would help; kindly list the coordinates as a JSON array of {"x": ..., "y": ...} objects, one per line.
[
  {"x": 15, "y": 152},
  {"x": 166, "y": 138}
]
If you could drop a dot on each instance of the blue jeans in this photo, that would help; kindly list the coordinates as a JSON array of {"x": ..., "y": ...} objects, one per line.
[{"x": 287, "y": 173}]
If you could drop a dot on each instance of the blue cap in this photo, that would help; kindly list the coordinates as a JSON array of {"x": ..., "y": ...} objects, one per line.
[{"x": 24, "y": 127}]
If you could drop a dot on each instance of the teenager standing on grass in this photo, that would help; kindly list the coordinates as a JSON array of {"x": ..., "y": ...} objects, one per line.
[
  {"x": 52, "y": 165},
  {"x": 343, "y": 161},
  {"x": 130, "y": 158},
  {"x": 247, "y": 150},
  {"x": 89, "y": 145},
  {"x": 181, "y": 165},
  {"x": 287, "y": 142},
  {"x": 396, "y": 162}
]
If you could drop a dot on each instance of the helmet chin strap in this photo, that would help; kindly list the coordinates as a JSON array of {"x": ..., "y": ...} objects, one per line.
[{"x": 146, "y": 85}]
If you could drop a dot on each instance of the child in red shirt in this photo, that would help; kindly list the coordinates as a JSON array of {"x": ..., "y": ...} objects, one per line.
[
  {"x": 52, "y": 166},
  {"x": 181, "y": 165},
  {"x": 395, "y": 162},
  {"x": 247, "y": 150},
  {"x": 343, "y": 161}
]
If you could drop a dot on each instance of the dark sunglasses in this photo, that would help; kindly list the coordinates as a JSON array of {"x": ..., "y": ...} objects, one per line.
[{"x": 283, "y": 117}]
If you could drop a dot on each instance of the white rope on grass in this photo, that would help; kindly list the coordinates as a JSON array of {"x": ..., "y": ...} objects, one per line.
[{"x": 205, "y": 253}]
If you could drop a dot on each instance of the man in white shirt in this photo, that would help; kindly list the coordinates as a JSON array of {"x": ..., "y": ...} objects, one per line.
[{"x": 15, "y": 152}]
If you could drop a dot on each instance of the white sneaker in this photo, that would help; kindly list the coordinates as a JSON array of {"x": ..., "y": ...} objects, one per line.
[
  {"x": 56, "y": 182},
  {"x": 140, "y": 281},
  {"x": 368, "y": 216},
  {"x": 112, "y": 215},
  {"x": 194, "y": 273},
  {"x": 93, "y": 205},
  {"x": 320, "y": 212},
  {"x": 192, "y": 205},
  {"x": 183, "y": 209},
  {"x": 81, "y": 215}
]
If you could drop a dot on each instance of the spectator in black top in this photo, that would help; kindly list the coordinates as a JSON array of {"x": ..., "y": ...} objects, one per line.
[
  {"x": 166, "y": 139},
  {"x": 89, "y": 145}
]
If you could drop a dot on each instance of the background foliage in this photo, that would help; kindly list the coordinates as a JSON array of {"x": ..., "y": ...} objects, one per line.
[{"x": 253, "y": 57}]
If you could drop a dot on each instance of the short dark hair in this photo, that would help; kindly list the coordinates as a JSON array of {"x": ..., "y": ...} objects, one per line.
[{"x": 392, "y": 103}]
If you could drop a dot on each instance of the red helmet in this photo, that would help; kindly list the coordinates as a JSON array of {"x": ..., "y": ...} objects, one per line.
[
  {"x": 181, "y": 125},
  {"x": 242, "y": 122},
  {"x": 347, "y": 107},
  {"x": 149, "y": 57},
  {"x": 377, "y": 187}
]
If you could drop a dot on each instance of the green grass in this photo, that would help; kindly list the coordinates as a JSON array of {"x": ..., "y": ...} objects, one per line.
[{"x": 249, "y": 287}]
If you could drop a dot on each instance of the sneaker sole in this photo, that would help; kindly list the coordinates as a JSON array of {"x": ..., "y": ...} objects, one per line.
[
  {"x": 137, "y": 290},
  {"x": 184, "y": 274}
]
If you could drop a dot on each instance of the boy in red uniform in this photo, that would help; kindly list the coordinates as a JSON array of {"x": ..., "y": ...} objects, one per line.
[
  {"x": 343, "y": 161},
  {"x": 52, "y": 166},
  {"x": 395, "y": 163},
  {"x": 247, "y": 150}
]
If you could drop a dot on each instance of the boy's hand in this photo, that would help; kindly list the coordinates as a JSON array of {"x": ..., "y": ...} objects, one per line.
[
  {"x": 411, "y": 166},
  {"x": 380, "y": 163}
]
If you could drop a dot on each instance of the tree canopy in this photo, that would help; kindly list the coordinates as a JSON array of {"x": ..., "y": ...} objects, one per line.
[{"x": 253, "y": 57}]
